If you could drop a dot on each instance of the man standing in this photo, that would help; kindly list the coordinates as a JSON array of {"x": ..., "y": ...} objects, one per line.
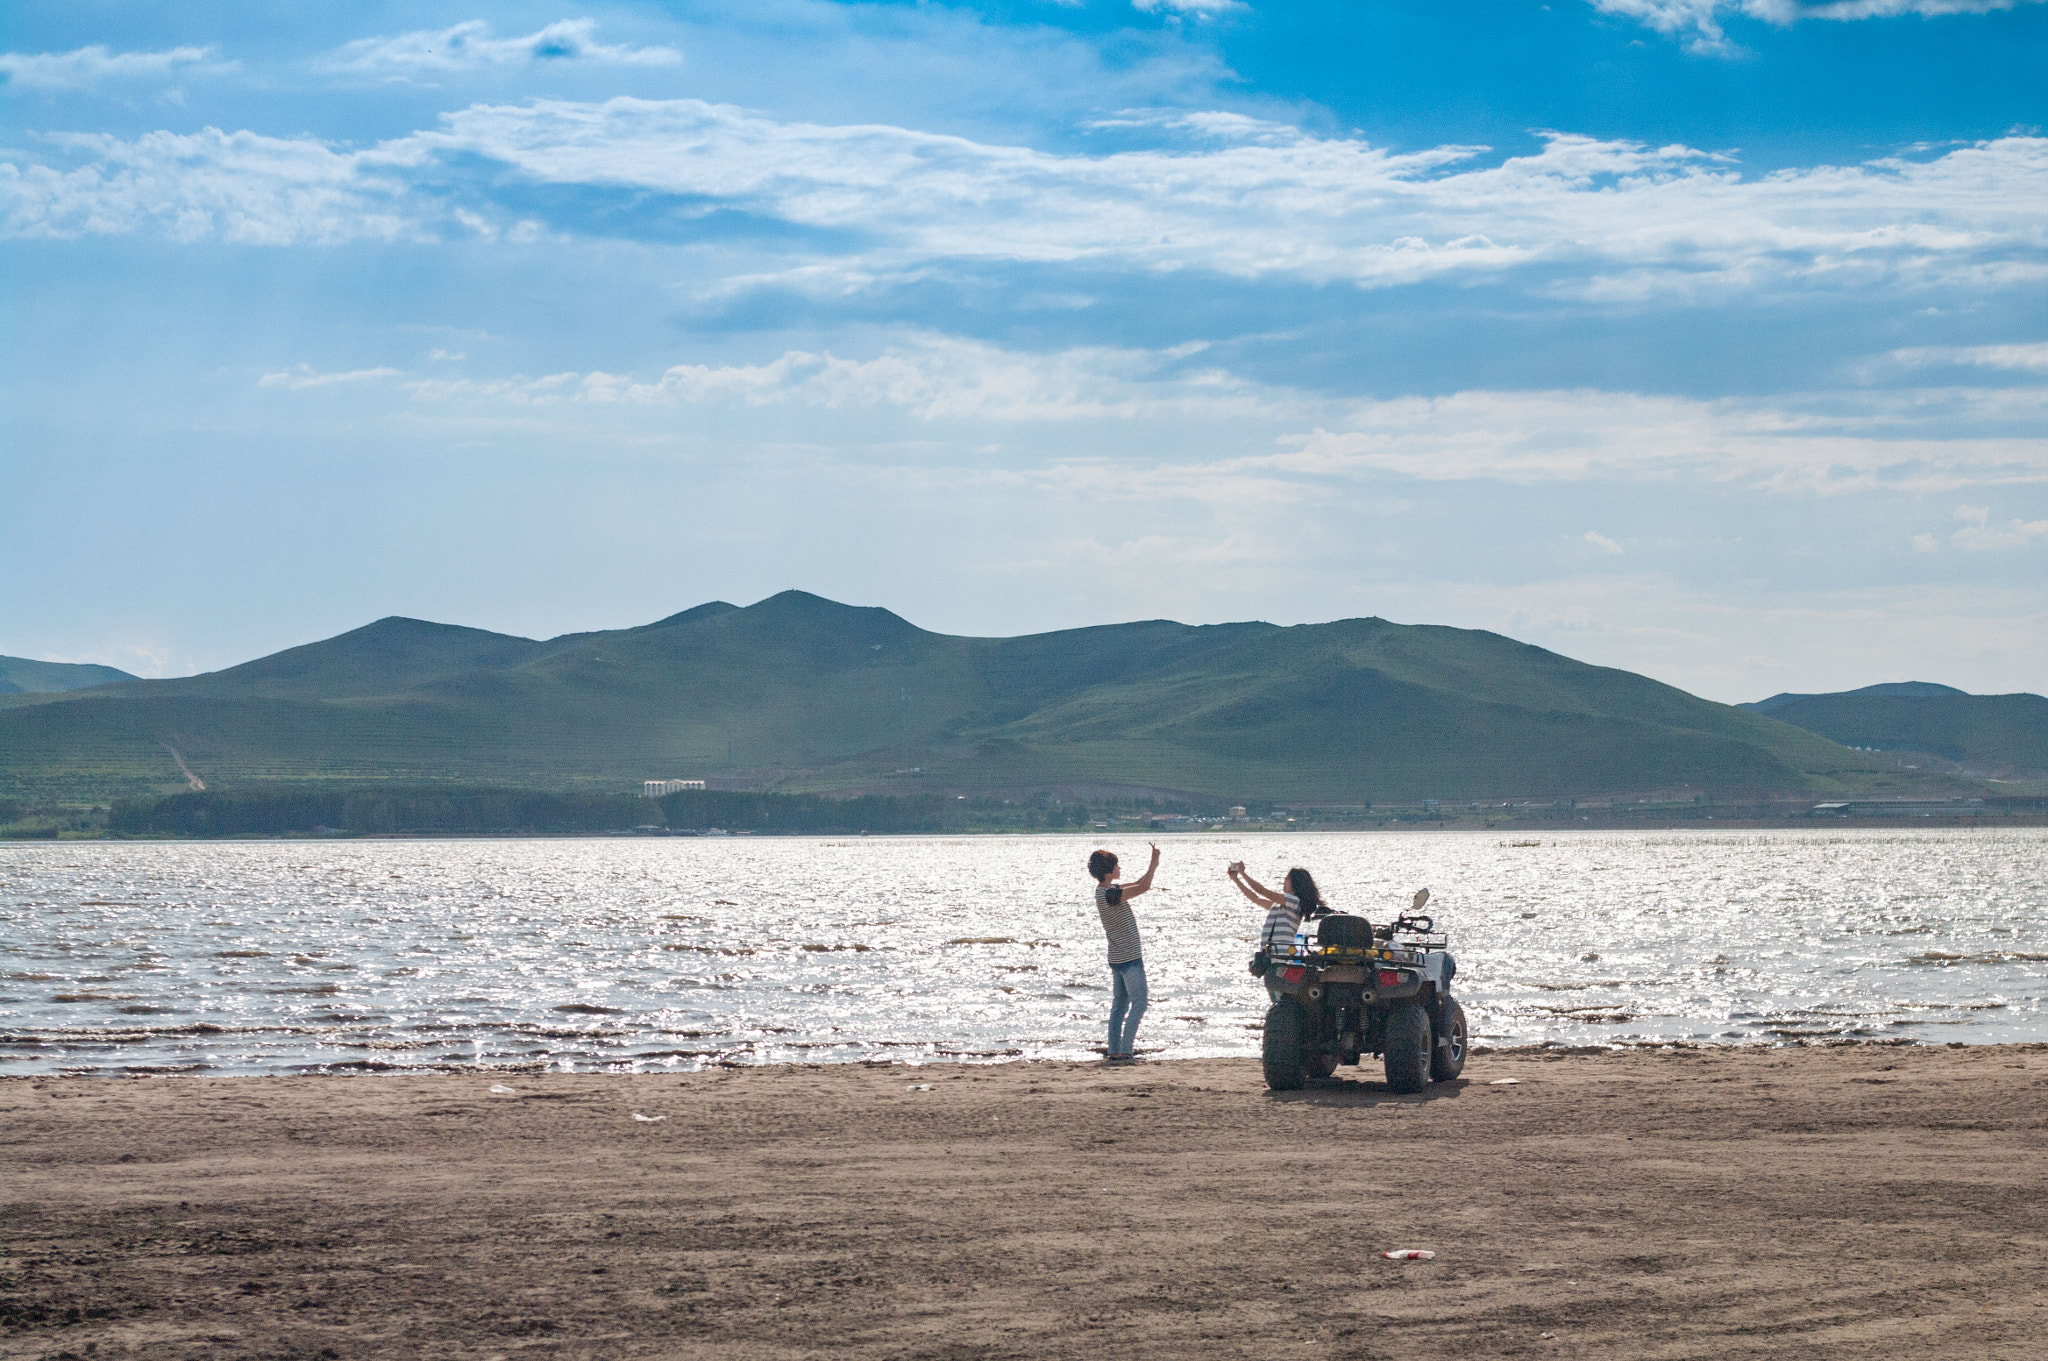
[{"x": 1126, "y": 959}]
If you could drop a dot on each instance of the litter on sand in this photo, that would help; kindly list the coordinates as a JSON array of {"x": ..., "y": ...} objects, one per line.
[
  {"x": 1504, "y": 1082},
  {"x": 649, "y": 1119},
  {"x": 500, "y": 1089},
  {"x": 920, "y": 1086},
  {"x": 1410, "y": 1255}
]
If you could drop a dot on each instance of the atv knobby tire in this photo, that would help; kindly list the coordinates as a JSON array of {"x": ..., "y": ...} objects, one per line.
[
  {"x": 1284, "y": 1051},
  {"x": 1407, "y": 1047},
  {"x": 1447, "y": 1058}
]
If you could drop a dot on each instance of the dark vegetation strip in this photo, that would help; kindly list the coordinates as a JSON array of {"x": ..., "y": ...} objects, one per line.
[
  {"x": 388, "y": 809},
  {"x": 274, "y": 812}
]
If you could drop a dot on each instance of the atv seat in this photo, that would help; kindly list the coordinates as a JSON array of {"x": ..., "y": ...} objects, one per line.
[{"x": 1349, "y": 933}]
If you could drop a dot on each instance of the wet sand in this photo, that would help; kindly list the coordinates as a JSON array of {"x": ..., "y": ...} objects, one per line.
[{"x": 1840, "y": 1202}]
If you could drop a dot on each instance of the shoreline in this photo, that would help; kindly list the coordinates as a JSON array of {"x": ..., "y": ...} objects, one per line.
[
  {"x": 1792, "y": 823},
  {"x": 1820, "y": 1201},
  {"x": 350, "y": 1069}
]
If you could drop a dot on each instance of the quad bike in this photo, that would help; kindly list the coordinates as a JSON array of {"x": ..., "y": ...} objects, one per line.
[{"x": 1361, "y": 990}]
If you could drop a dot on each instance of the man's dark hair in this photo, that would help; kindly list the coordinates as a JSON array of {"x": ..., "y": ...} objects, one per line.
[{"x": 1100, "y": 864}]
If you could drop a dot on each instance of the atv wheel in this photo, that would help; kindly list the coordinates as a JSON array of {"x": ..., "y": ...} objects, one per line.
[
  {"x": 1447, "y": 1059},
  {"x": 1284, "y": 1051},
  {"x": 1322, "y": 1063},
  {"x": 1407, "y": 1048}
]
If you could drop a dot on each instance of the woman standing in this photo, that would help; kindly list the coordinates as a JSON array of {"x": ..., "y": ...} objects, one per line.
[{"x": 1126, "y": 959}]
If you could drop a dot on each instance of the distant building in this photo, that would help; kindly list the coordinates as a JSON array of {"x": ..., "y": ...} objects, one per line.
[
  {"x": 1237, "y": 810},
  {"x": 654, "y": 789},
  {"x": 1897, "y": 807}
]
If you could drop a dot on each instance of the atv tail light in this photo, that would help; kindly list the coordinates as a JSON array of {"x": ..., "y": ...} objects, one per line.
[
  {"x": 1389, "y": 979},
  {"x": 1293, "y": 975}
]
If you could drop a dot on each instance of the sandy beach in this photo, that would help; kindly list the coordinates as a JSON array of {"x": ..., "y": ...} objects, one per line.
[{"x": 1838, "y": 1202}]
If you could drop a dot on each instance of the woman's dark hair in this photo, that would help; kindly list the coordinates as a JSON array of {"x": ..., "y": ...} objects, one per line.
[
  {"x": 1303, "y": 886},
  {"x": 1100, "y": 864}
]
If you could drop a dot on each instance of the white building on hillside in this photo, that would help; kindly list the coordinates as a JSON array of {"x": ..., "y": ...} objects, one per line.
[{"x": 654, "y": 789}]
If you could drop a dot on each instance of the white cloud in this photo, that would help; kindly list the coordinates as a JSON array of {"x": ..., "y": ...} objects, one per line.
[
  {"x": 1924, "y": 543},
  {"x": 470, "y": 46},
  {"x": 90, "y": 66},
  {"x": 927, "y": 378},
  {"x": 518, "y": 391},
  {"x": 1698, "y": 21},
  {"x": 1911, "y": 441},
  {"x": 1608, "y": 221},
  {"x": 2014, "y": 534},
  {"x": 1200, "y": 8},
  {"x": 2022, "y": 358},
  {"x": 1979, "y": 535},
  {"x": 210, "y": 184},
  {"x": 1602, "y": 542},
  {"x": 1789, "y": 442},
  {"x": 304, "y": 376}
]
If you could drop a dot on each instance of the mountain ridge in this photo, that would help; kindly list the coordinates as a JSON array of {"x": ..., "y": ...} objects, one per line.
[
  {"x": 27, "y": 676},
  {"x": 1937, "y": 726},
  {"x": 800, "y": 692},
  {"x": 1914, "y": 688}
]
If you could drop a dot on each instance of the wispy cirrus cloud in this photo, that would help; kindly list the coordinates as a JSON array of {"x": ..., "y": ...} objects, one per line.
[
  {"x": 1785, "y": 443},
  {"x": 1200, "y": 8},
  {"x": 87, "y": 67},
  {"x": 1602, "y": 542},
  {"x": 303, "y": 376},
  {"x": 2016, "y": 358},
  {"x": 1698, "y": 22},
  {"x": 924, "y": 378},
  {"x": 1912, "y": 441},
  {"x": 471, "y": 46},
  {"x": 1607, "y": 221}
]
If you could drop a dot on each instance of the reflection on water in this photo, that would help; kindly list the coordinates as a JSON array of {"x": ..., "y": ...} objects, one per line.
[{"x": 675, "y": 953}]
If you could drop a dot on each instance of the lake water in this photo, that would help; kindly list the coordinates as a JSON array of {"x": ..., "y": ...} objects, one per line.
[{"x": 676, "y": 953}]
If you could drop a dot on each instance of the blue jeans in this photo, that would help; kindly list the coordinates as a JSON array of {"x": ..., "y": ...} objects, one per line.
[{"x": 1127, "y": 1007}]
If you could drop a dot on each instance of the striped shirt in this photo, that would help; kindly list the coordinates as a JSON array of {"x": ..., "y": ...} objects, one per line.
[
  {"x": 1118, "y": 923},
  {"x": 1281, "y": 924}
]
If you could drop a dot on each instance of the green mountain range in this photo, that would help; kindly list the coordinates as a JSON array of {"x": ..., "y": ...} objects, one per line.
[
  {"x": 799, "y": 693},
  {"x": 22, "y": 676},
  {"x": 2004, "y": 736}
]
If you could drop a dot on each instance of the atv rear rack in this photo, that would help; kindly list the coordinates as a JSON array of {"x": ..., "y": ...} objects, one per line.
[{"x": 1405, "y": 953}]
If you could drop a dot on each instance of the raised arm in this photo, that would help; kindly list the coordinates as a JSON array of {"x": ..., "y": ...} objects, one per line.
[
  {"x": 1252, "y": 888},
  {"x": 1143, "y": 881}
]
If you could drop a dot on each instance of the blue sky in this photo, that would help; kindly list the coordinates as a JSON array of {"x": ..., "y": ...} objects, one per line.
[{"x": 1706, "y": 339}]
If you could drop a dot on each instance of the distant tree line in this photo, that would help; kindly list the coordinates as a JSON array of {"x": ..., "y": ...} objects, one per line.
[
  {"x": 273, "y": 811},
  {"x": 280, "y": 810},
  {"x": 737, "y": 811}
]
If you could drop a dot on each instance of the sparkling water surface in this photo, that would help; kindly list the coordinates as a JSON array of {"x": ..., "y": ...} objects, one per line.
[{"x": 676, "y": 953}]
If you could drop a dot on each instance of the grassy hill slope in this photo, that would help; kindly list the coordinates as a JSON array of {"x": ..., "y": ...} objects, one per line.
[
  {"x": 1920, "y": 688},
  {"x": 24, "y": 676},
  {"x": 803, "y": 693},
  {"x": 1996, "y": 734}
]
